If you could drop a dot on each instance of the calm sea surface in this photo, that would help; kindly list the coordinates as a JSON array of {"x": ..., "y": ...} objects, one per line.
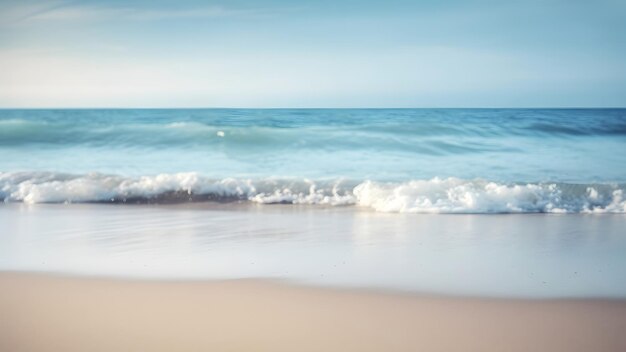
[
  {"x": 406, "y": 160},
  {"x": 513, "y": 202}
]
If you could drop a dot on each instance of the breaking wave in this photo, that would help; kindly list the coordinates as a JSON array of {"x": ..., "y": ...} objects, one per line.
[{"x": 437, "y": 195}]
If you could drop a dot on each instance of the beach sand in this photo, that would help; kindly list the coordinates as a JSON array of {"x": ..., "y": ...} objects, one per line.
[{"x": 52, "y": 313}]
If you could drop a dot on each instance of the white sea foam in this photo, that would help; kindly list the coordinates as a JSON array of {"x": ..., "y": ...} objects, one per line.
[
  {"x": 437, "y": 195},
  {"x": 454, "y": 195}
]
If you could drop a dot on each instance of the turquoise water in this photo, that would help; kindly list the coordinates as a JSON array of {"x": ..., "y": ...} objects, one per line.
[
  {"x": 348, "y": 182},
  {"x": 398, "y": 160}
]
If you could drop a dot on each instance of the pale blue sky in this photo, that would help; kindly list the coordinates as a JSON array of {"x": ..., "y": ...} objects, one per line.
[{"x": 271, "y": 53}]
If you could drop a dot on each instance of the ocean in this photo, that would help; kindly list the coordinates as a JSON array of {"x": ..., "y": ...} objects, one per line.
[
  {"x": 391, "y": 160},
  {"x": 502, "y": 202}
]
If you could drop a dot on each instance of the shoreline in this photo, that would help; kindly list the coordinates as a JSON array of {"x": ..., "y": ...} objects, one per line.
[
  {"x": 307, "y": 285},
  {"x": 524, "y": 255},
  {"x": 42, "y": 312}
]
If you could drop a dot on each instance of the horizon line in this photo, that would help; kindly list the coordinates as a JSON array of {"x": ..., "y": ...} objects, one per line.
[{"x": 314, "y": 108}]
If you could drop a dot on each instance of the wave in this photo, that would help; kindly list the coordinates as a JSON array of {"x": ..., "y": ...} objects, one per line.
[
  {"x": 344, "y": 128},
  {"x": 437, "y": 195}
]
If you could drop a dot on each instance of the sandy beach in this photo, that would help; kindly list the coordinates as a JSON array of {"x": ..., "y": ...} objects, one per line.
[
  {"x": 53, "y": 313},
  {"x": 312, "y": 176}
]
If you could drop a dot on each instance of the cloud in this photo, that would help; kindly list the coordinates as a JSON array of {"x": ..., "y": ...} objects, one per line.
[
  {"x": 403, "y": 77},
  {"x": 145, "y": 54},
  {"x": 16, "y": 12},
  {"x": 70, "y": 12}
]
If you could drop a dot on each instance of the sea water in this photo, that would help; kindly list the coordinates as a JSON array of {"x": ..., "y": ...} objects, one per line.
[
  {"x": 513, "y": 202},
  {"x": 405, "y": 160}
]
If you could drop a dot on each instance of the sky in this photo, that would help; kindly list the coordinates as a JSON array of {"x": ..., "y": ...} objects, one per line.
[{"x": 312, "y": 53}]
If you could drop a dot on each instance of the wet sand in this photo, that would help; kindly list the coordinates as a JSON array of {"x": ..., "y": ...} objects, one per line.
[
  {"x": 53, "y": 313},
  {"x": 504, "y": 255}
]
